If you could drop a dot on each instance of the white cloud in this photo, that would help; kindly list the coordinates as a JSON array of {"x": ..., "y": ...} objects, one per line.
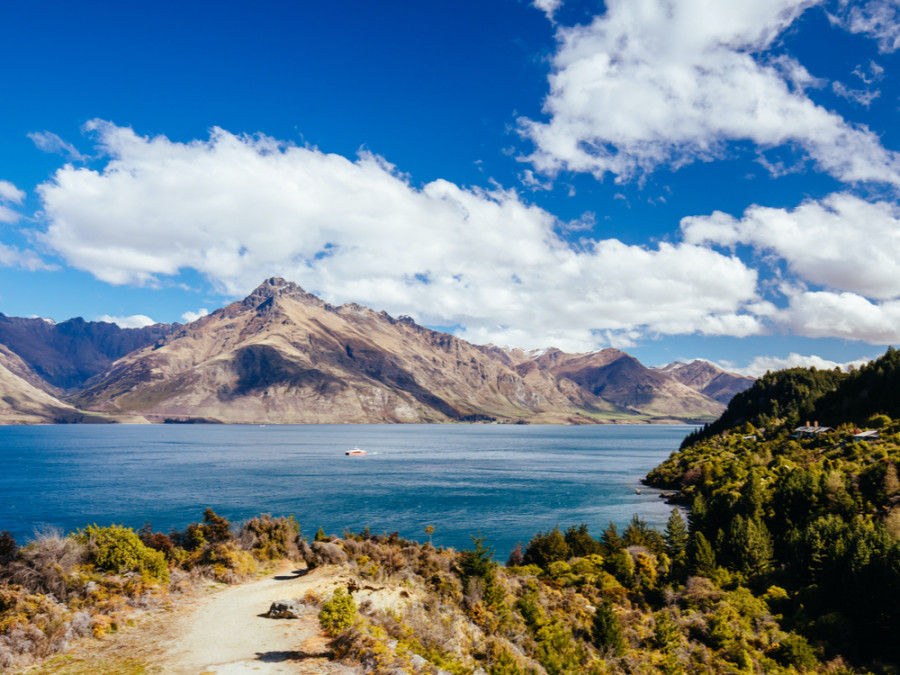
[
  {"x": 10, "y": 193},
  {"x": 862, "y": 96},
  {"x": 879, "y": 19},
  {"x": 50, "y": 142},
  {"x": 10, "y": 256},
  {"x": 761, "y": 364},
  {"x": 189, "y": 316},
  {"x": 841, "y": 242},
  {"x": 548, "y": 7},
  {"x": 842, "y": 315},
  {"x": 8, "y": 216},
  {"x": 670, "y": 82},
  {"x": 133, "y": 321},
  {"x": 238, "y": 209}
]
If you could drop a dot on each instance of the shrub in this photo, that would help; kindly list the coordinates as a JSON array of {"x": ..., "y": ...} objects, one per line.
[
  {"x": 43, "y": 566},
  {"x": 118, "y": 549},
  {"x": 795, "y": 651},
  {"x": 157, "y": 541},
  {"x": 271, "y": 538},
  {"x": 338, "y": 614}
]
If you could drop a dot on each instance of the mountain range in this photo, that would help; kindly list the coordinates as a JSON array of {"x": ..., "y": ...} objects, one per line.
[{"x": 282, "y": 355}]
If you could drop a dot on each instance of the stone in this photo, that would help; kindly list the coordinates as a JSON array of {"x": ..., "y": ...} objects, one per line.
[{"x": 286, "y": 609}]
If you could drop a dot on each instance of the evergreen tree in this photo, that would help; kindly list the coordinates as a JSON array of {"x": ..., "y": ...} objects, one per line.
[
  {"x": 606, "y": 630},
  {"x": 580, "y": 542},
  {"x": 545, "y": 548},
  {"x": 610, "y": 539},
  {"x": 477, "y": 561},
  {"x": 676, "y": 538},
  {"x": 700, "y": 554}
]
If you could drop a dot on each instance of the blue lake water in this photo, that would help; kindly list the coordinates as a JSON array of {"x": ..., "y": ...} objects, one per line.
[{"x": 505, "y": 481}]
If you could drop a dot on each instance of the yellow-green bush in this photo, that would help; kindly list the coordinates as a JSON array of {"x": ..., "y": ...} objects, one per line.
[
  {"x": 118, "y": 549},
  {"x": 338, "y": 613}
]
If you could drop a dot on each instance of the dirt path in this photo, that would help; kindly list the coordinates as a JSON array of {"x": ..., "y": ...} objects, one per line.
[
  {"x": 228, "y": 633},
  {"x": 217, "y": 630}
]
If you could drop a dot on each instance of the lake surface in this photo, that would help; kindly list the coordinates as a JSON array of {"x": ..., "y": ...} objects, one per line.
[{"x": 506, "y": 481}]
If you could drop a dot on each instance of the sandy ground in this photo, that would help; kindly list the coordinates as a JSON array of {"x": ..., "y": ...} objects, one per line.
[{"x": 228, "y": 632}]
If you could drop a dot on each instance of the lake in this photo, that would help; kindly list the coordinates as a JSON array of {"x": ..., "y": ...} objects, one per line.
[{"x": 505, "y": 481}]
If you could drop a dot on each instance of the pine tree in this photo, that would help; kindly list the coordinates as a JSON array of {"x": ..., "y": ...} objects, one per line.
[
  {"x": 606, "y": 630},
  {"x": 676, "y": 538},
  {"x": 701, "y": 556}
]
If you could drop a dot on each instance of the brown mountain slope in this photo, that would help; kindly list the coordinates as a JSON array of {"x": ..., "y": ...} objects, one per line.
[
  {"x": 620, "y": 379},
  {"x": 708, "y": 379},
  {"x": 66, "y": 354},
  {"x": 283, "y": 355},
  {"x": 22, "y": 398}
]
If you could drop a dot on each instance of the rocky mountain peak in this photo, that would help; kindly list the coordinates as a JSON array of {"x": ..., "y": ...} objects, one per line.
[{"x": 276, "y": 287}]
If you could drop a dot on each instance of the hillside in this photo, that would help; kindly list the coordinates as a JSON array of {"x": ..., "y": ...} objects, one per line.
[
  {"x": 786, "y": 489},
  {"x": 622, "y": 380},
  {"x": 23, "y": 399},
  {"x": 708, "y": 379},
  {"x": 65, "y": 355}
]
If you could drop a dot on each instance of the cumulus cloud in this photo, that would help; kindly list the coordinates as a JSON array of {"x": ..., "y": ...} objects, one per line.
[
  {"x": 841, "y": 242},
  {"x": 238, "y": 209},
  {"x": 843, "y": 315},
  {"x": 50, "y": 142},
  {"x": 670, "y": 82},
  {"x": 189, "y": 316},
  {"x": 879, "y": 19},
  {"x": 133, "y": 321},
  {"x": 762, "y": 364}
]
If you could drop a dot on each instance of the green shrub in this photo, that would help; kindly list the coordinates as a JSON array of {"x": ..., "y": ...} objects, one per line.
[
  {"x": 118, "y": 549},
  {"x": 338, "y": 613},
  {"x": 795, "y": 651}
]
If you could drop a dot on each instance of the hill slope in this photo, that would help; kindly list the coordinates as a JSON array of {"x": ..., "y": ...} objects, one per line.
[
  {"x": 66, "y": 354},
  {"x": 708, "y": 379}
]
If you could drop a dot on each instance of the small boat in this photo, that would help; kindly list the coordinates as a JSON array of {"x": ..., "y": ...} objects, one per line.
[
  {"x": 356, "y": 451},
  {"x": 637, "y": 491}
]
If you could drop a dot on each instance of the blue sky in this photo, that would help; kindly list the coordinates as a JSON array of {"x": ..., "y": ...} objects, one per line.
[{"x": 676, "y": 178}]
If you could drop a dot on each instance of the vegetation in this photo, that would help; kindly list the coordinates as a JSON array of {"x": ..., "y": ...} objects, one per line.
[{"x": 59, "y": 588}]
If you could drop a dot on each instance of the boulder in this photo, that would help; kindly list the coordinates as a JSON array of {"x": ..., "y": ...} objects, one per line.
[{"x": 287, "y": 609}]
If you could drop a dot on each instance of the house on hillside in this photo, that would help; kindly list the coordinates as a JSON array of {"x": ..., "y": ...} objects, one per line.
[
  {"x": 867, "y": 435},
  {"x": 810, "y": 431}
]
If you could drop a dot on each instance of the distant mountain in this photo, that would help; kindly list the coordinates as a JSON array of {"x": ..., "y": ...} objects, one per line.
[
  {"x": 622, "y": 380},
  {"x": 67, "y": 354},
  {"x": 283, "y": 355},
  {"x": 709, "y": 380}
]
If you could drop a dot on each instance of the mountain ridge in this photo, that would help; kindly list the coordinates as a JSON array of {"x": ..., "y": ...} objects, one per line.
[{"x": 282, "y": 354}]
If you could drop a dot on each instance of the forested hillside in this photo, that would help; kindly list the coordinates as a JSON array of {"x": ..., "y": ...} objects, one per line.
[{"x": 814, "y": 511}]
